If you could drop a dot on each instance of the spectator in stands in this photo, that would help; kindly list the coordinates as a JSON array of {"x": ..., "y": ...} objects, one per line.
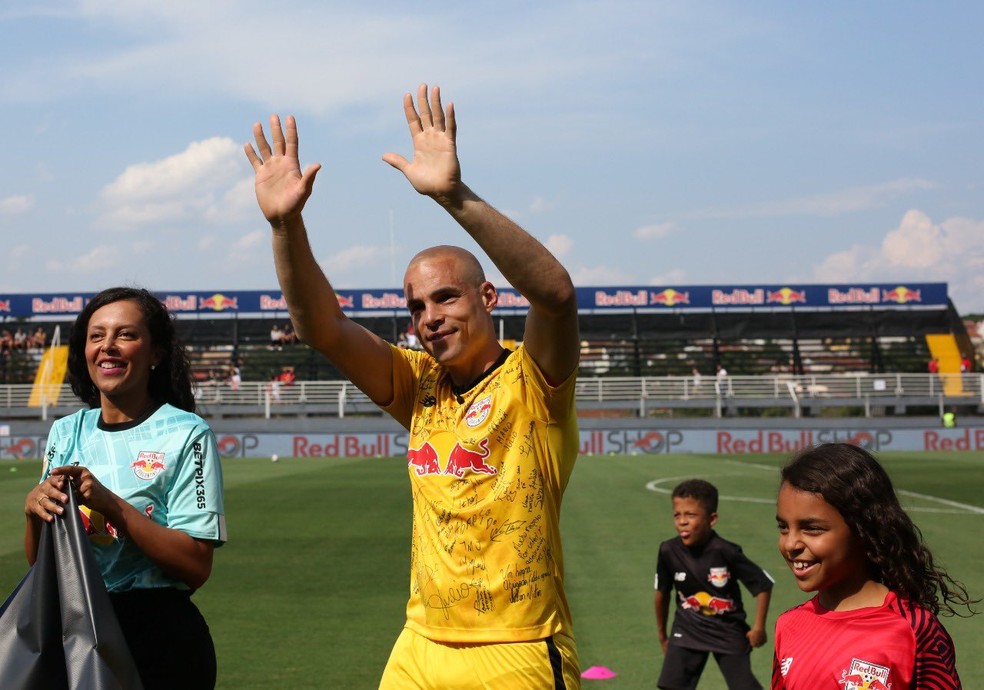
[
  {"x": 934, "y": 366},
  {"x": 474, "y": 410},
  {"x": 288, "y": 376},
  {"x": 39, "y": 339},
  {"x": 289, "y": 337},
  {"x": 20, "y": 339},
  {"x": 6, "y": 340},
  {"x": 965, "y": 364},
  {"x": 696, "y": 374},
  {"x": 235, "y": 375},
  {"x": 722, "y": 373},
  {"x": 276, "y": 337}
]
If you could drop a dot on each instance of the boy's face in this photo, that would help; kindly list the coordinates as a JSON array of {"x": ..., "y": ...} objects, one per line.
[{"x": 692, "y": 521}]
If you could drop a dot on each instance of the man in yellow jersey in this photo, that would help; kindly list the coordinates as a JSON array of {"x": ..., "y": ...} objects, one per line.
[{"x": 493, "y": 432}]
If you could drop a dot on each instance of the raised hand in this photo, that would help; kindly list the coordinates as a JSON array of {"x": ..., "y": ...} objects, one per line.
[
  {"x": 434, "y": 170},
  {"x": 281, "y": 188}
]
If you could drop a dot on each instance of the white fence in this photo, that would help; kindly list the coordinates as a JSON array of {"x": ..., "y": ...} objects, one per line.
[{"x": 872, "y": 392}]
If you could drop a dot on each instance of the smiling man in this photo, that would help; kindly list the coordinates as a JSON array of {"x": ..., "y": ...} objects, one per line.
[{"x": 493, "y": 432}]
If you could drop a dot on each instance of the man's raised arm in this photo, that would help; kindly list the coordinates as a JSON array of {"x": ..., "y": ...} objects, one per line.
[
  {"x": 551, "y": 335},
  {"x": 281, "y": 191}
]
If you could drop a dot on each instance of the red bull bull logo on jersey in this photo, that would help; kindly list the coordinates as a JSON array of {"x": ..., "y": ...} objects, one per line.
[
  {"x": 426, "y": 460},
  {"x": 864, "y": 675},
  {"x": 478, "y": 412},
  {"x": 719, "y": 577},
  {"x": 149, "y": 464},
  {"x": 707, "y": 604}
]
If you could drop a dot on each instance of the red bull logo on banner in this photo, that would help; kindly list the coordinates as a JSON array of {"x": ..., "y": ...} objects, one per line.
[
  {"x": 864, "y": 675},
  {"x": 5, "y": 305},
  {"x": 901, "y": 295},
  {"x": 786, "y": 296},
  {"x": 149, "y": 464},
  {"x": 345, "y": 301},
  {"x": 426, "y": 461},
  {"x": 218, "y": 302},
  {"x": 708, "y": 604},
  {"x": 669, "y": 298}
]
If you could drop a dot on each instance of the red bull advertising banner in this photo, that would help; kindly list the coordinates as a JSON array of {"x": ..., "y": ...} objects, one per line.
[
  {"x": 731, "y": 442},
  {"x": 648, "y": 298}
]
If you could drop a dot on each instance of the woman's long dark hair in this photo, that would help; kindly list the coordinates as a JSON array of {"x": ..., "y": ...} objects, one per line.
[
  {"x": 851, "y": 480},
  {"x": 170, "y": 380}
]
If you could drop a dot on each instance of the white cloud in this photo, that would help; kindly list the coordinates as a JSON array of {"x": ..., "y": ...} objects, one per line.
[
  {"x": 918, "y": 250},
  {"x": 588, "y": 276},
  {"x": 98, "y": 259},
  {"x": 825, "y": 205},
  {"x": 182, "y": 187},
  {"x": 540, "y": 205},
  {"x": 14, "y": 205},
  {"x": 355, "y": 259},
  {"x": 559, "y": 245},
  {"x": 655, "y": 232},
  {"x": 674, "y": 277}
]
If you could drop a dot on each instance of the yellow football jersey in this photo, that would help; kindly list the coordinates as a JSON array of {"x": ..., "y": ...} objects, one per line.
[{"x": 487, "y": 475}]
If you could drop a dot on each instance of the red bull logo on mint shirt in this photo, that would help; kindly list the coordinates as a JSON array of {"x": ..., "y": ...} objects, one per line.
[{"x": 148, "y": 464}]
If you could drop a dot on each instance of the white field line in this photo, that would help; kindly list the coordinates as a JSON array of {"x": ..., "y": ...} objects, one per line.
[{"x": 961, "y": 508}]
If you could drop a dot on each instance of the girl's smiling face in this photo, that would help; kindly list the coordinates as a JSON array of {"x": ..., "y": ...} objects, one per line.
[{"x": 820, "y": 548}]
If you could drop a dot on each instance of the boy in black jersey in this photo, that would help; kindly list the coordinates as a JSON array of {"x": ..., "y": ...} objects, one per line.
[{"x": 705, "y": 570}]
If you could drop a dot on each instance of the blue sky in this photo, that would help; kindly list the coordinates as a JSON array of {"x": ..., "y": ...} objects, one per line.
[{"x": 646, "y": 143}]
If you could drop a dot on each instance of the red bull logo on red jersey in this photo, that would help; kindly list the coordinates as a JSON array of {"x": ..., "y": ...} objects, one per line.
[
  {"x": 864, "y": 675},
  {"x": 148, "y": 464}
]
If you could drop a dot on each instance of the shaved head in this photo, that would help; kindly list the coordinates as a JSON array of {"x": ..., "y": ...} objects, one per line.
[{"x": 468, "y": 268}]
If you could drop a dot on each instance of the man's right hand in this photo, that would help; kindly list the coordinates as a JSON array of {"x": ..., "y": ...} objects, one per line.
[{"x": 281, "y": 188}]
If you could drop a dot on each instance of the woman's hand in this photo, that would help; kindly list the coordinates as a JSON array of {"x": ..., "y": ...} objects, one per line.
[{"x": 46, "y": 499}]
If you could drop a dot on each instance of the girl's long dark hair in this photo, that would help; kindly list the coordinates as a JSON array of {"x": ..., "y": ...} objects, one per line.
[
  {"x": 851, "y": 480},
  {"x": 170, "y": 380}
]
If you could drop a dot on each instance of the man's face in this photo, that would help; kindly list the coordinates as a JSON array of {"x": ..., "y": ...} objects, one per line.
[{"x": 450, "y": 314}]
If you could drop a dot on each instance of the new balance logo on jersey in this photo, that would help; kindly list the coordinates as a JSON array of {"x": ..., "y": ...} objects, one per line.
[{"x": 784, "y": 665}]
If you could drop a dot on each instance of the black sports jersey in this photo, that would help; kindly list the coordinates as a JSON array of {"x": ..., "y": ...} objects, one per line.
[{"x": 709, "y": 612}]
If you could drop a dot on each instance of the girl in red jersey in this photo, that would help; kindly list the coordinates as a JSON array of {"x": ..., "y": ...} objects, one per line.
[{"x": 872, "y": 624}]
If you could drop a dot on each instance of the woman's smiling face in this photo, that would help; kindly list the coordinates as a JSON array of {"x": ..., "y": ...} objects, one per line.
[{"x": 119, "y": 352}]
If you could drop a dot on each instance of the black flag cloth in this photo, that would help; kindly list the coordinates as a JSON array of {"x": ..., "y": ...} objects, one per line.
[{"x": 58, "y": 629}]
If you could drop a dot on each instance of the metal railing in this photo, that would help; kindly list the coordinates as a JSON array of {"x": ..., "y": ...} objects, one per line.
[{"x": 642, "y": 394}]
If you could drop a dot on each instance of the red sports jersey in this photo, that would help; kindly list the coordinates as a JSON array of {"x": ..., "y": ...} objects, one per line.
[{"x": 895, "y": 646}]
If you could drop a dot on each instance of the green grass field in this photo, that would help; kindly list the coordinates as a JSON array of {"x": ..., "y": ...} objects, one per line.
[{"x": 310, "y": 591}]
